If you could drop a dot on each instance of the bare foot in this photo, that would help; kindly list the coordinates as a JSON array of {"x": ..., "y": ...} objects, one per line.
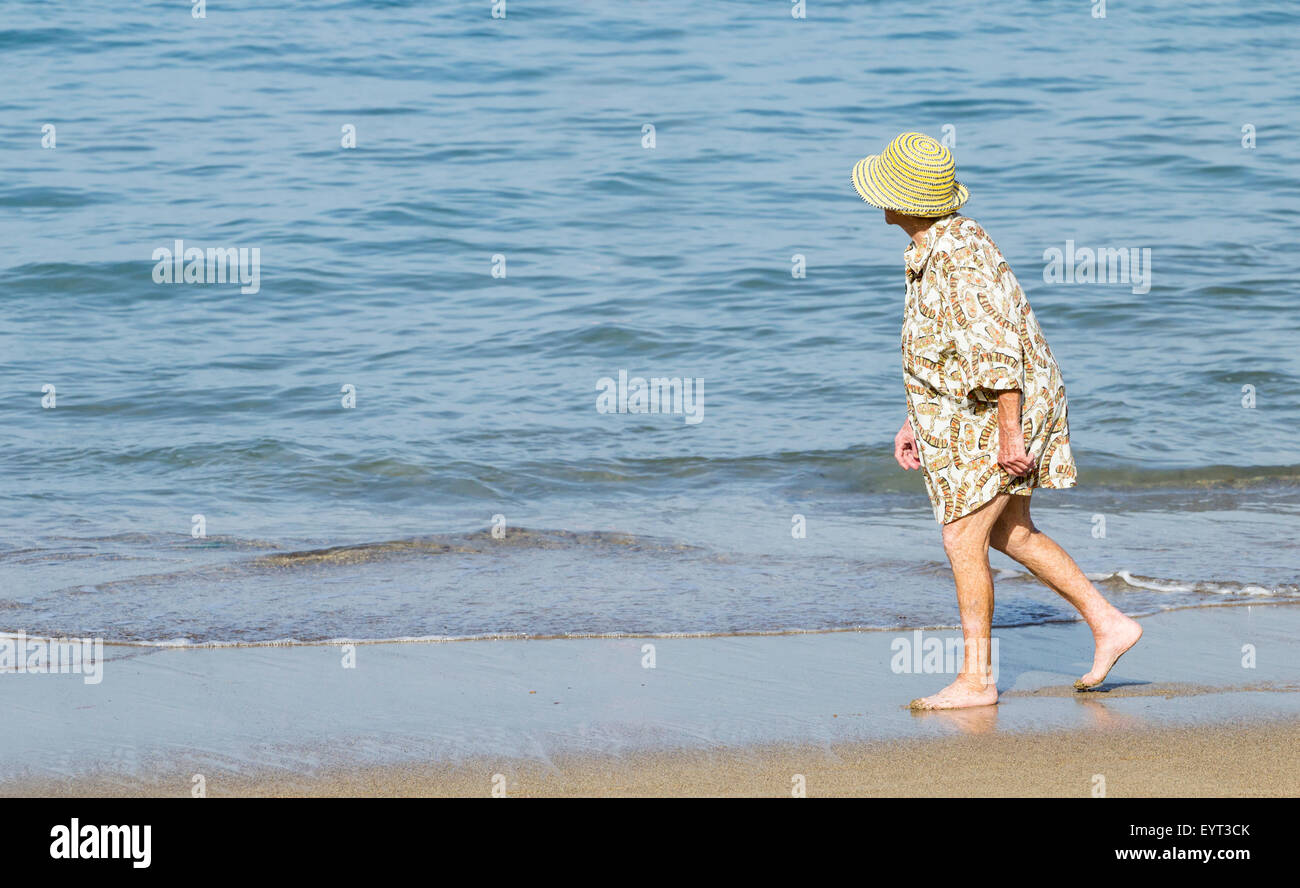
[
  {"x": 1113, "y": 640},
  {"x": 961, "y": 694}
]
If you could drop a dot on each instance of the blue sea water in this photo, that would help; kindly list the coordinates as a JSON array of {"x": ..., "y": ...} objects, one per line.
[{"x": 521, "y": 143}]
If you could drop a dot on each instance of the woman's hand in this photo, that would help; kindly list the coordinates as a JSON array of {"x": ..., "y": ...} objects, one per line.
[
  {"x": 905, "y": 447},
  {"x": 1011, "y": 438},
  {"x": 1011, "y": 453}
]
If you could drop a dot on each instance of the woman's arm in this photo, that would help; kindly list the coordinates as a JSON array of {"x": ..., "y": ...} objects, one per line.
[
  {"x": 1011, "y": 437},
  {"x": 983, "y": 320}
]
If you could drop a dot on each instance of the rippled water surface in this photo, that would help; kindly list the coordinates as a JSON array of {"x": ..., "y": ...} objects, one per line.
[{"x": 476, "y": 394}]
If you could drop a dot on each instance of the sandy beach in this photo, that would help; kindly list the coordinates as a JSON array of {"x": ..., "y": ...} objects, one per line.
[
  {"x": 1198, "y": 761},
  {"x": 1180, "y": 715}
]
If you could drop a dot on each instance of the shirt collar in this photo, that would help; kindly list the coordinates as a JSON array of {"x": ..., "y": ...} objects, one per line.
[{"x": 916, "y": 255}]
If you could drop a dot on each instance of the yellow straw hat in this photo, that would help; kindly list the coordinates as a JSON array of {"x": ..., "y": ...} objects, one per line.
[{"x": 914, "y": 175}]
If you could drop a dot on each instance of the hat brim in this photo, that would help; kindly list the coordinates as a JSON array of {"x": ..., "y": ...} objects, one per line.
[{"x": 864, "y": 183}]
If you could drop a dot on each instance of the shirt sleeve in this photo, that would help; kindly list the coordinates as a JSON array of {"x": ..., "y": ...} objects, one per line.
[{"x": 984, "y": 318}]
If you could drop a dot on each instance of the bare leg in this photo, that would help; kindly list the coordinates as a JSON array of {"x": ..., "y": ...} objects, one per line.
[
  {"x": 966, "y": 541},
  {"x": 1113, "y": 633}
]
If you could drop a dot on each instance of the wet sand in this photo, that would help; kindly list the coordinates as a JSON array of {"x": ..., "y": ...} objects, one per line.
[
  {"x": 1199, "y": 761},
  {"x": 1208, "y": 704}
]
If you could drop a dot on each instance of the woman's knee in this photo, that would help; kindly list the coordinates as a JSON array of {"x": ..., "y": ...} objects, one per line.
[
  {"x": 963, "y": 541},
  {"x": 1011, "y": 537}
]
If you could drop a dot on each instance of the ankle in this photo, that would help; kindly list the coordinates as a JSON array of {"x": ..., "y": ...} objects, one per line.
[
  {"x": 1104, "y": 618},
  {"x": 975, "y": 681}
]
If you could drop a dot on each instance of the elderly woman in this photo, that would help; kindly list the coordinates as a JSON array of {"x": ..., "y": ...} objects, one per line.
[{"x": 986, "y": 410}]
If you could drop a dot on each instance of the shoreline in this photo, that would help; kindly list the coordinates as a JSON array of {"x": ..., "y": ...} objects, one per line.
[
  {"x": 637, "y": 715},
  {"x": 186, "y": 645}
]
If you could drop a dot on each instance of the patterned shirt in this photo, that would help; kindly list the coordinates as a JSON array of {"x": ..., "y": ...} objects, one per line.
[{"x": 968, "y": 333}]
